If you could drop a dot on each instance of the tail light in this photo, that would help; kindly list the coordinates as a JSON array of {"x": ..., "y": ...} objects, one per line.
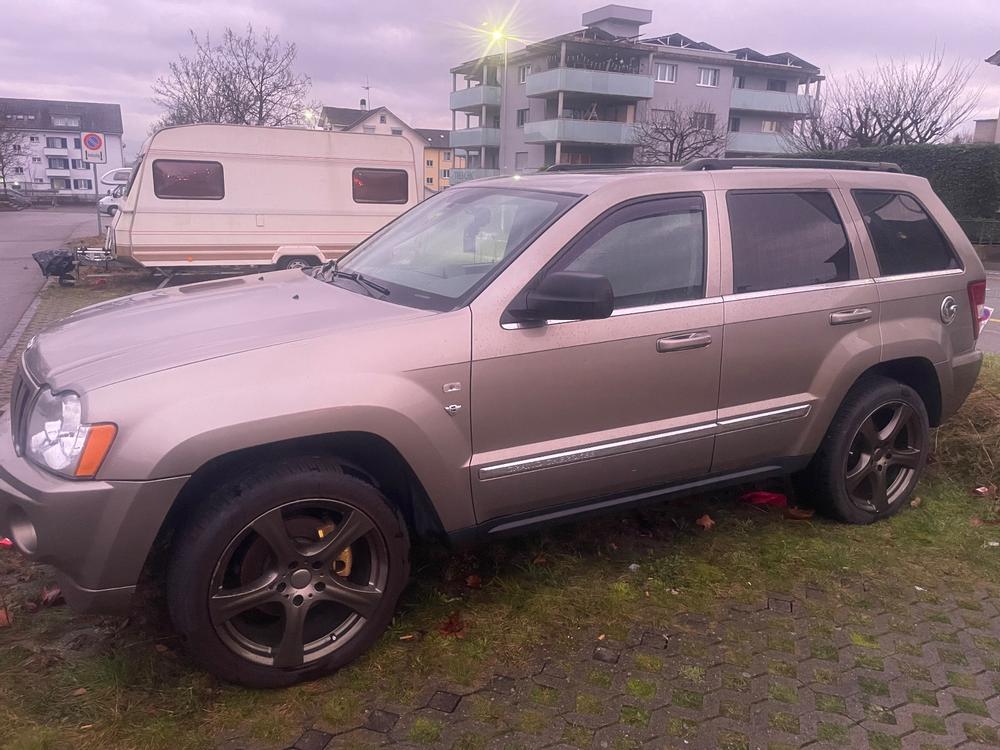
[{"x": 977, "y": 301}]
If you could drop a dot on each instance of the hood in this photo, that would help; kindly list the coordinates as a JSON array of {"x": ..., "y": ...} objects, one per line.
[{"x": 145, "y": 333}]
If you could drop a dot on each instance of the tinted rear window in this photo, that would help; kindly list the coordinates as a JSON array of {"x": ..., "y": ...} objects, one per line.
[
  {"x": 188, "y": 180},
  {"x": 903, "y": 235},
  {"x": 380, "y": 186},
  {"x": 787, "y": 239}
]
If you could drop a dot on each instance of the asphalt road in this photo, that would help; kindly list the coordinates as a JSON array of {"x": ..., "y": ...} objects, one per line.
[{"x": 21, "y": 234}]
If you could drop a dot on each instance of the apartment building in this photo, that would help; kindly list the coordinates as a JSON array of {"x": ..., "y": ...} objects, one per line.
[
  {"x": 988, "y": 131},
  {"x": 431, "y": 148},
  {"x": 53, "y": 160},
  {"x": 576, "y": 98}
]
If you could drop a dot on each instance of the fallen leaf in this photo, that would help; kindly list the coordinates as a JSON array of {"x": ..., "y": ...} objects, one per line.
[
  {"x": 974, "y": 521},
  {"x": 160, "y": 648},
  {"x": 474, "y": 582},
  {"x": 78, "y": 692},
  {"x": 51, "y": 597},
  {"x": 6, "y": 543},
  {"x": 87, "y": 726},
  {"x": 5, "y": 619},
  {"x": 799, "y": 514},
  {"x": 407, "y": 637},
  {"x": 601, "y": 637},
  {"x": 453, "y": 626},
  {"x": 984, "y": 490},
  {"x": 915, "y": 502},
  {"x": 706, "y": 522}
]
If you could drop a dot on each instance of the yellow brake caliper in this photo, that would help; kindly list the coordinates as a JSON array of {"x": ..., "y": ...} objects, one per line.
[{"x": 343, "y": 562}]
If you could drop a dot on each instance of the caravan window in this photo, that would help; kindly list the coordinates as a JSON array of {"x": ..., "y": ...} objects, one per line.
[
  {"x": 380, "y": 186},
  {"x": 188, "y": 180}
]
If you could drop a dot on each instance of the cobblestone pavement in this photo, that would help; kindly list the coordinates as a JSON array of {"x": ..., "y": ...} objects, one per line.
[
  {"x": 844, "y": 666},
  {"x": 861, "y": 664}
]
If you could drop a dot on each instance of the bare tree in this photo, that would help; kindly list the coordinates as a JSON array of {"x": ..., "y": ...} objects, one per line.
[
  {"x": 679, "y": 134},
  {"x": 13, "y": 153},
  {"x": 895, "y": 103},
  {"x": 245, "y": 79},
  {"x": 818, "y": 131}
]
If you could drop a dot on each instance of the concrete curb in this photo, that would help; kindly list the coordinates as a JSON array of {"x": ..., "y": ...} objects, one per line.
[{"x": 15, "y": 336}]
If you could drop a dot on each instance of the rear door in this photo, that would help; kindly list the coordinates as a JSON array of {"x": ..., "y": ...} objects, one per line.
[{"x": 801, "y": 315}]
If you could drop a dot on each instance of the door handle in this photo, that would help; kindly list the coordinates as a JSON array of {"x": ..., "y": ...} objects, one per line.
[
  {"x": 857, "y": 315},
  {"x": 684, "y": 341}
]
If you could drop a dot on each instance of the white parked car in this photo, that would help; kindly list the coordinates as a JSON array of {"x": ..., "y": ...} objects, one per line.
[{"x": 111, "y": 202}]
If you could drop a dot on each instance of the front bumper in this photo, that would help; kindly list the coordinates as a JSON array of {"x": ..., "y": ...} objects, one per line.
[{"x": 97, "y": 534}]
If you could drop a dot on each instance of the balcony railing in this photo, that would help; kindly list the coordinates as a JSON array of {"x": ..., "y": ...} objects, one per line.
[
  {"x": 55, "y": 151},
  {"x": 770, "y": 101},
  {"x": 475, "y": 98},
  {"x": 456, "y": 176},
  {"x": 596, "y": 132},
  {"x": 758, "y": 143},
  {"x": 580, "y": 81},
  {"x": 475, "y": 138}
]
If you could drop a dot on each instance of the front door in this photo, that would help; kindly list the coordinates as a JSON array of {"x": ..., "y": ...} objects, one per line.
[{"x": 572, "y": 410}]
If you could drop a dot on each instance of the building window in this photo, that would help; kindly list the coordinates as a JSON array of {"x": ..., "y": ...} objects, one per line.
[
  {"x": 36, "y": 160},
  {"x": 429, "y": 180},
  {"x": 83, "y": 185},
  {"x": 55, "y": 143},
  {"x": 76, "y": 143},
  {"x": 33, "y": 138},
  {"x": 445, "y": 173},
  {"x": 446, "y": 156},
  {"x": 523, "y": 72},
  {"x": 522, "y": 117},
  {"x": 661, "y": 115},
  {"x": 380, "y": 186},
  {"x": 381, "y": 119},
  {"x": 708, "y": 77},
  {"x": 739, "y": 82},
  {"x": 787, "y": 239},
  {"x": 58, "y": 162},
  {"x": 65, "y": 121},
  {"x": 397, "y": 131},
  {"x": 18, "y": 170},
  {"x": 666, "y": 72},
  {"x": 770, "y": 126},
  {"x": 704, "y": 120},
  {"x": 430, "y": 162},
  {"x": 777, "y": 84},
  {"x": 177, "y": 179},
  {"x": 496, "y": 121},
  {"x": 734, "y": 124},
  {"x": 39, "y": 180},
  {"x": 369, "y": 128},
  {"x": 59, "y": 183},
  {"x": 80, "y": 164},
  {"x": 17, "y": 148},
  {"x": 903, "y": 235}
]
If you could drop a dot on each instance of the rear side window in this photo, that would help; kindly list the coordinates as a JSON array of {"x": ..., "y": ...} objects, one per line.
[
  {"x": 652, "y": 252},
  {"x": 188, "y": 180},
  {"x": 380, "y": 186},
  {"x": 903, "y": 235},
  {"x": 787, "y": 239}
]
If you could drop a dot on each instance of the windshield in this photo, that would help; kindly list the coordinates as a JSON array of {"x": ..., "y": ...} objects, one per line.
[{"x": 439, "y": 254}]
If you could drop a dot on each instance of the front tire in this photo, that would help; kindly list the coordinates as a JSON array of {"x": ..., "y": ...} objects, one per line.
[
  {"x": 287, "y": 573},
  {"x": 874, "y": 452}
]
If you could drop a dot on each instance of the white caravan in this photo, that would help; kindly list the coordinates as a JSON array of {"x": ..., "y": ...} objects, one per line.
[{"x": 233, "y": 195}]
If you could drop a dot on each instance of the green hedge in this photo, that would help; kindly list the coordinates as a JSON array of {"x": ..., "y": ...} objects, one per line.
[{"x": 965, "y": 176}]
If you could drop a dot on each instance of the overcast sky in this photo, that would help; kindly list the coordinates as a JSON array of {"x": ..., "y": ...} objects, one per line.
[{"x": 111, "y": 50}]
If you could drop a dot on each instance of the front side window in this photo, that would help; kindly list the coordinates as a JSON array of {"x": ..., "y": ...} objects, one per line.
[
  {"x": 380, "y": 186},
  {"x": 708, "y": 76},
  {"x": 652, "y": 252},
  {"x": 903, "y": 235},
  {"x": 787, "y": 239},
  {"x": 439, "y": 254},
  {"x": 666, "y": 72},
  {"x": 176, "y": 179}
]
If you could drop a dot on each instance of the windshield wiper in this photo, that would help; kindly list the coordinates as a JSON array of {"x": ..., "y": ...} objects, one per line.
[{"x": 330, "y": 271}]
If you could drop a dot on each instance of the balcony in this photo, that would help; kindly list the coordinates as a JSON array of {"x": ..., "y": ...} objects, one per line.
[
  {"x": 55, "y": 151},
  {"x": 582, "y": 81},
  {"x": 456, "y": 176},
  {"x": 758, "y": 143},
  {"x": 475, "y": 98},
  {"x": 56, "y": 172},
  {"x": 771, "y": 101},
  {"x": 475, "y": 138},
  {"x": 596, "y": 132}
]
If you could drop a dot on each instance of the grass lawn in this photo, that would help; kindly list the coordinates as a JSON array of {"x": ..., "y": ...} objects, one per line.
[{"x": 82, "y": 682}]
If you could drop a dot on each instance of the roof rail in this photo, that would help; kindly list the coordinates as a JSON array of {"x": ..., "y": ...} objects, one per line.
[
  {"x": 589, "y": 167},
  {"x": 697, "y": 165}
]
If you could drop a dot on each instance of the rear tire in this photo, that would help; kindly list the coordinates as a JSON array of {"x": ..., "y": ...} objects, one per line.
[
  {"x": 287, "y": 573},
  {"x": 873, "y": 455}
]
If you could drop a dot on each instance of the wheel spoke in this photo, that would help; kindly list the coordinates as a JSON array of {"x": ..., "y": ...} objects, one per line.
[
  {"x": 862, "y": 471},
  {"x": 289, "y": 651},
  {"x": 226, "y": 604},
  {"x": 900, "y": 418},
  {"x": 352, "y": 527},
  {"x": 870, "y": 433},
  {"x": 271, "y": 527},
  {"x": 908, "y": 458},
  {"x": 880, "y": 496},
  {"x": 360, "y": 599}
]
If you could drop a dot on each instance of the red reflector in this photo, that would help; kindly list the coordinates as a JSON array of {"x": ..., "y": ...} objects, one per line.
[{"x": 977, "y": 301}]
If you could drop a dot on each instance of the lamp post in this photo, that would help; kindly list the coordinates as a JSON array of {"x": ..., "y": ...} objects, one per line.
[{"x": 498, "y": 36}]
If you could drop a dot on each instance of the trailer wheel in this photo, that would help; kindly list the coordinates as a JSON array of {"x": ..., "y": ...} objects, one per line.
[{"x": 300, "y": 262}]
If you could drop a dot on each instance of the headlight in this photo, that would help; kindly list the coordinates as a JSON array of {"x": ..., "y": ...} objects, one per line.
[{"x": 59, "y": 440}]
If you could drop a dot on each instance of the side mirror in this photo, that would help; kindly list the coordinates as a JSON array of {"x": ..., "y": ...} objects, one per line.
[{"x": 568, "y": 295}]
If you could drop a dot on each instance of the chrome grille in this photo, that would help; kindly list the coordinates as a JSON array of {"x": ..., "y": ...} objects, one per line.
[{"x": 21, "y": 395}]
